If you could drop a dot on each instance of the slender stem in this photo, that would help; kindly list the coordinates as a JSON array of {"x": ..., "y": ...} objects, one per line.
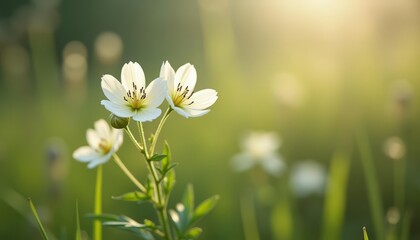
[
  {"x": 399, "y": 184},
  {"x": 97, "y": 225},
  {"x": 159, "y": 128},
  {"x": 372, "y": 185},
  {"x": 128, "y": 173},
  {"x": 249, "y": 220},
  {"x": 143, "y": 139},
  {"x": 133, "y": 139},
  {"x": 160, "y": 200}
]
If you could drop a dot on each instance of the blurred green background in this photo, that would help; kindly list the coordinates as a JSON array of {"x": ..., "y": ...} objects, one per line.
[{"x": 316, "y": 72}]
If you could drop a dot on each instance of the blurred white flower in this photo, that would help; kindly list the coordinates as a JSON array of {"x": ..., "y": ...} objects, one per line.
[
  {"x": 131, "y": 98},
  {"x": 181, "y": 94},
  {"x": 103, "y": 142},
  {"x": 308, "y": 177},
  {"x": 259, "y": 148}
]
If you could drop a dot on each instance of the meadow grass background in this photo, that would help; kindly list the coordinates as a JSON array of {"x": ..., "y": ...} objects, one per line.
[{"x": 315, "y": 72}]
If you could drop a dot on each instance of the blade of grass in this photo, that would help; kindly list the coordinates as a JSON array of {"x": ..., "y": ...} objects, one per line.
[
  {"x": 249, "y": 220},
  {"x": 335, "y": 199},
  {"x": 97, "y": 225},
  {"x": 405, "y": 226},
  {"x": 374, "y": 195},
  {"x": 365, "y": 235},
  {"x": 41, "y": 227},
  {"x": 78, "y": 233}
]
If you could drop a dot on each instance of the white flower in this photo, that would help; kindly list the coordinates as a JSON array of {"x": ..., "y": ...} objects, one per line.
[
  {"x": 131, "y": 98},
  {"x": 308, "y": 177},
  {"x": 103, "y": 142},
  {"x": 260, "y": 148},
  {"x": 181, "y": 95}
]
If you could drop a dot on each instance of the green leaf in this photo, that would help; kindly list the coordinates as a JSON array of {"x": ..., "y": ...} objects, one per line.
[
  {"x": 157, "y": 157},
  {"x": 78, "y": 233},
  {"x": 169, "y": 182},
  {"x": 135, "y": 196},
  {"x": 103, "y": 217},
  {"x": 41, "y": 227},
  {"x": 127, "y": 224},
  {"x": 193, "y": 233},
  {"x": 188, "y": 202},
  {"x": 365, "y": 236},
  {"x": 167, "y": 160},
  {"x": 204, "y": 208}
]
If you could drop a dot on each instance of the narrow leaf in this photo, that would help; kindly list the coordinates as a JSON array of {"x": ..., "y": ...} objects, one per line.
[
  {"x": 194, "y": 233},
  {"x": 97, "y": 227},
  {"x": 126, "y": 223},
  {"x": 78, "y": 233},
  {"x": 135, "y": 196},
  {"x": 157, "y": 157},
  {"x": 188, "y": 199},
  {"x": 365, "y": 235},
  {"x": 167, "y": 160},
  {"x": 372, "y": 185},
  {"x": 204, "y": 208},
  {"x": 41, "y": 227},
  {"x": 103, "y": 217},
  {"x": 335, "y": 197},
  {"x": 169, "y": 182}
]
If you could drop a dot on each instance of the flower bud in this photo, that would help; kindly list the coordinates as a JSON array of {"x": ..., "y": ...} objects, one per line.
[{"x": 118, "y": 122}]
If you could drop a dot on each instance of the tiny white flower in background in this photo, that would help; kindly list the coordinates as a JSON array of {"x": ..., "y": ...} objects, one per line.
[
  {"x": 131, "y": 97},
  {"x": 181, "y": 95},
  {"x": 103, "y": 142},
  {"x": 260, "y": 148},
  {"x": 308, "y": 177}
]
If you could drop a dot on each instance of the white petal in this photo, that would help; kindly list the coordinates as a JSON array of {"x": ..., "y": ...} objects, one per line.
[
  {"x": 168, "y": 74},
  {"x": 273, "y": 165},
  {"x": 155, "y": 93},
  {"x": 180, "y": 111},
  {"x": 203, "y": 99},
  {"x": 103, "y": 130},
  {"x": 93, "y": 138},
  {"x": 85, "y": 154},
  {"x": 170, "y": 101},
  {"x": 113, "y": 89},
  {"x": 194, "y": 112},
  {"x": 186, "y": 75},
  {"x": 132, "y": 73},
  {"x": 146, "y": 114},
  {"x": 118, "y": 110},
  {"x": 100, "y": 160}
]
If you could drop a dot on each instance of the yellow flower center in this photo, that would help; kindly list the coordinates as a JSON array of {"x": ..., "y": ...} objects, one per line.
[
  {"x": 182, "y": 96},
  {"x": 135, "y": 99},
  {"x": 105, "y": 146}
]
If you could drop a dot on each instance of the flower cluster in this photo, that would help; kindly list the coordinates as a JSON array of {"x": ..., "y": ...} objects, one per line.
[{"x": 133, "y": 99}]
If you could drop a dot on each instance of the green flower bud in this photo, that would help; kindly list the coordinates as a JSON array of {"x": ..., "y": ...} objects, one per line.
[{"x": 118, "y": 122}]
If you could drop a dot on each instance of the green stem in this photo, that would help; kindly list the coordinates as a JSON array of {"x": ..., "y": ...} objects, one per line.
[
  {"x": 97, "y": 225},
  {"x": 128, "y": 173},
  {"x": 372, "y": 185},
  {"x": 159, "y": 128},
  {"x": 133, "y": 139},
  {"x": 399, "y": 184},
  {"x": 249, "y": 220},
  {"x": 143, "y": 139},
  {"x": 38, "y": 220},
  {"x": 160, "y": 201}
]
